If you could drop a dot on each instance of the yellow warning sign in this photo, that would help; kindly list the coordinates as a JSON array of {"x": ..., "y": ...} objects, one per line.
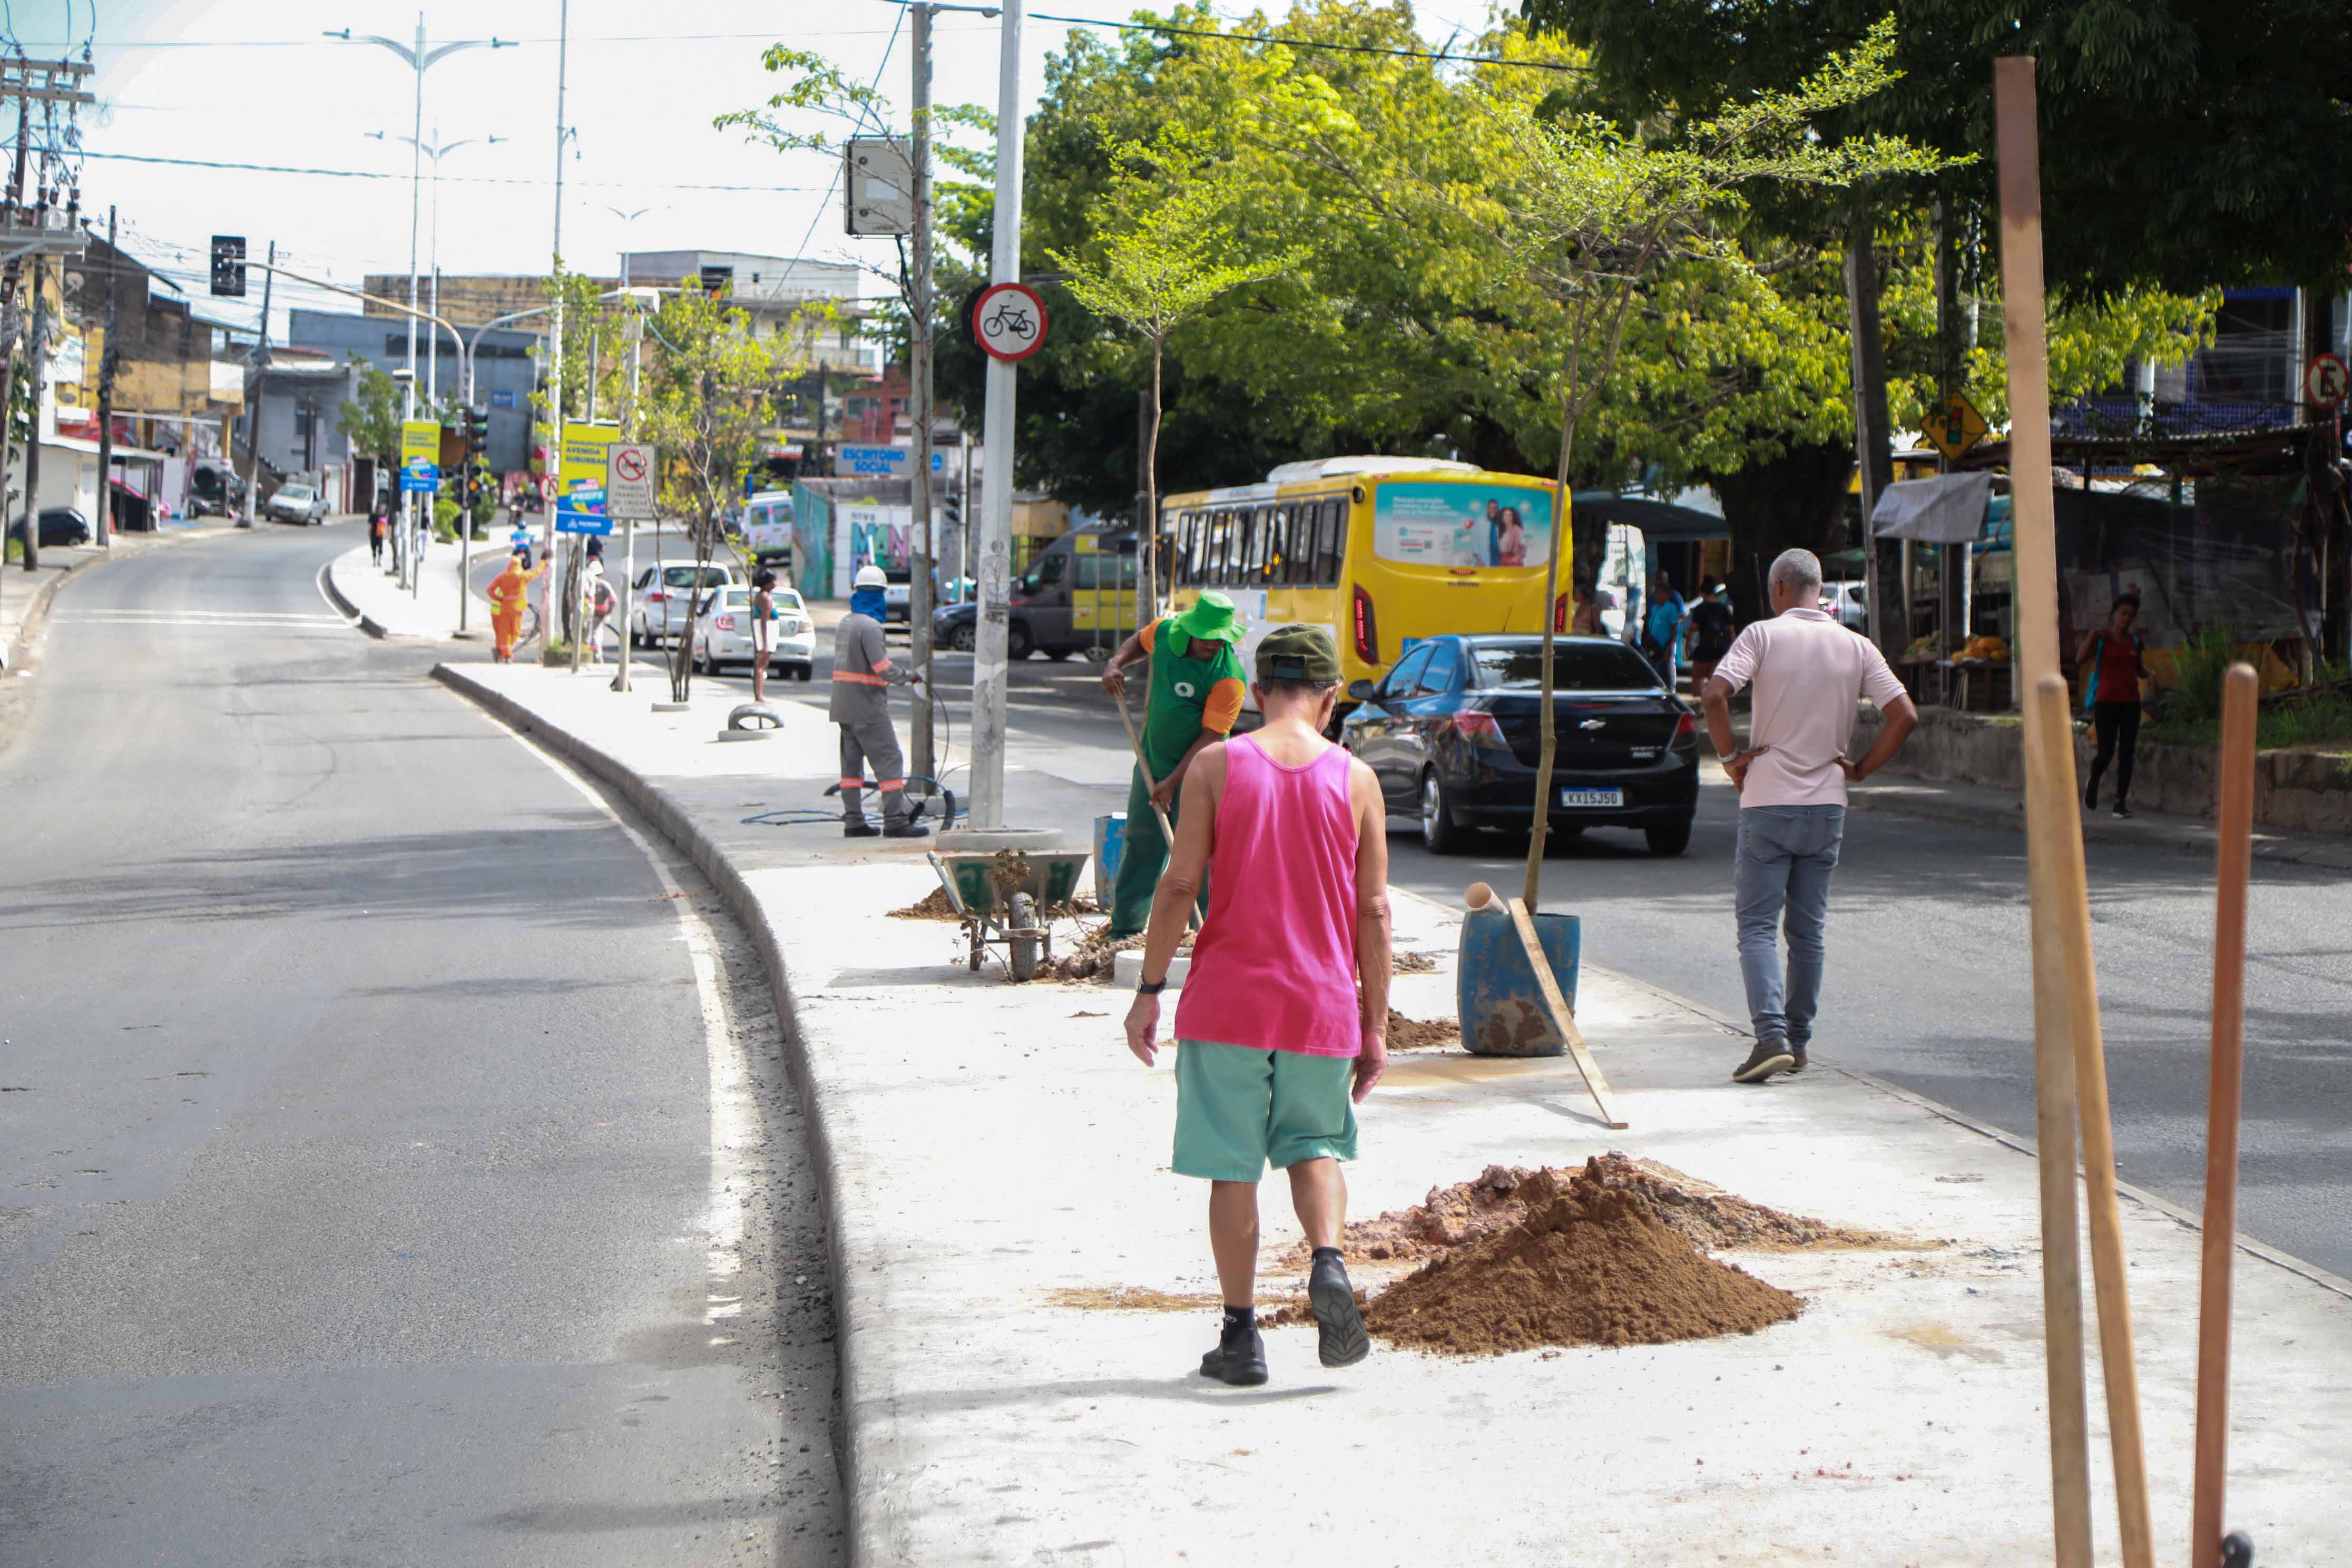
[{"x": 1954, "y": 426}]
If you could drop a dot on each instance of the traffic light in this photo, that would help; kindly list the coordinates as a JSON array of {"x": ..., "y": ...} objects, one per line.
[
  {"x": 228, "y": 265},
  {"x": 474, "y": 425}
]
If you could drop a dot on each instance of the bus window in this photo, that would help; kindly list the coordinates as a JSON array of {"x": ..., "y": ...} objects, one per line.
[
  {"x": 1278, "y": 555},
  {"x": 1332, "y": 544},
  {"x": 1304, "y": 528},
  {"x": 1213, "y": 548},
  {"x": 1237, "y": 548},
  {"x": 1180, "y": 568},
  {"x": 1267, "y": 549}
]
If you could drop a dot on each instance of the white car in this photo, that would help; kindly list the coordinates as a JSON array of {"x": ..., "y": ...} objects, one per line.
[
  {"x": 722, "y": 633},
  {"x": 296, "y": 504},
  {"x": 658, "y": 599},
  {"x": 897, "y": 597}
]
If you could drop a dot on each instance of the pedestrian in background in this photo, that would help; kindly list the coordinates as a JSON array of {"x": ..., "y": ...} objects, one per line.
[
  {"x": 1273, "y": 1047},
  {"x": 1586, "y": 620},
  {"x": 763, "y": 632},
  {"x": 2111, "y": 696},
  {"x": 1792, "y": 777},
  {"x": 1710, "y": 633},
  {"x": 862, "y": 675},
  {"x": 1195, "y": 700},
  {"x": 1661, "y": 628},
  {"x": 378, "y": 527}
]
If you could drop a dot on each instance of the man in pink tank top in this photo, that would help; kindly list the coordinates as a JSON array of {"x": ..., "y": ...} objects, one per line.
[{"x": 1275, "y": 1045}]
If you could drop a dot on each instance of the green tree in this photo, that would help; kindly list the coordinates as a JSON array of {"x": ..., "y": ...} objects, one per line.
[
  {"x": 370, "y": 417},
  {"x": 1165, "y": 248},
  {"x": 705, "y": 401}
]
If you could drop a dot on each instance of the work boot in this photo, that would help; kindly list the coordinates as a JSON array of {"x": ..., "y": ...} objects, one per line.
[
  {"x": 860, "y": 830},
  {"x": 1240, "y": 1356},
  {"x": 1341, "y": 1327},
  {"x": 906, "y": 830},
  {"x": 1797, "y": 1059},
  {"x": 1772, "y": 1055}
]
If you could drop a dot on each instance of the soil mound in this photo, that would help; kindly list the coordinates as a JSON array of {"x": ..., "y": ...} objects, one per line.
[
  {"x": 1410, "y": 1035},
  {"x": 1501, "y": 1196},
  {"x": 1591, "y": 1263},
  {"x": 1402, "y": 963},
  {"x": 932, "y": 906}
]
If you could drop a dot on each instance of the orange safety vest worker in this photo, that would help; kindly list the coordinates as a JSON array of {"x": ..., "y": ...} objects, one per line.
[{"x": 505, "y": 607}]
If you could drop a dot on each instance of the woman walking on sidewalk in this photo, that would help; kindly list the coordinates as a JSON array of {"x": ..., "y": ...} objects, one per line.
[
  {"x": 1273, "y": 1050},
  {"x": 2112, "y": 698}
]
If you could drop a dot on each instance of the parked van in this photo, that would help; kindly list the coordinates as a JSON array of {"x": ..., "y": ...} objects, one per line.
[
  {"x": 768, "y": 529},
  {"x": 1078, "y": 595}
]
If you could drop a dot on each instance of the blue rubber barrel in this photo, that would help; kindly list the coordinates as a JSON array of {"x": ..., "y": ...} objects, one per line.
[
  {"x": 1110, "y": 836},
  {"x": 1502, "y": 1010}
]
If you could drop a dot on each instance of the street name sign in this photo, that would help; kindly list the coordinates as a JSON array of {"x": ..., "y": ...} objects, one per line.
[
  {"x": 2325, "y": 381},
  {"x": 1954, "y": 426},
  {"x": 1008, "y": 322}
]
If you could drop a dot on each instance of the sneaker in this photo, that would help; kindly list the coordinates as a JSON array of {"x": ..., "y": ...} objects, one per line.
[
  {"x": 2122, "y": 810},
  {"x": 860, "y": 830},
  {"x": 2091, "y": 798},
  {"x": 1341, "y": 1326},
  {"x": 1772, "y": 1055},
  {"x": 1239, "y": 1358},
  {"x": 906, "y": 830}
]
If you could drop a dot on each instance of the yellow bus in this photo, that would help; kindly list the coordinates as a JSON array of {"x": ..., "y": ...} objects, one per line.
[{"x": 1379, "y": 551}]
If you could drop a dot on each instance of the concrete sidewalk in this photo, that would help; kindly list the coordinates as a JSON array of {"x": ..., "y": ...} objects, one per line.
[
  {"x": 995, "y": 1171},
  {"x": 24, "y": 595},
  {"x": 373, "y": 597}
]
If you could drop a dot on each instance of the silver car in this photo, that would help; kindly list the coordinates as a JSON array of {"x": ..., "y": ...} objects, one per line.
[{"x": 296, "y": 502}]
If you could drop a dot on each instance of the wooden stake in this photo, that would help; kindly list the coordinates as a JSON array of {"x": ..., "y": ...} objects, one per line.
[
  {"x": 2050, "y": 808},
  {"x": 2118, "y": 1370},
  {"x": 2240, "y": 695},
  {"x": 1563, "y": 1018}
]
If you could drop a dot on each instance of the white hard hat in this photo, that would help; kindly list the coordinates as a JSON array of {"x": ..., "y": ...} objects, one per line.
[{"x": 870, "y": 577}]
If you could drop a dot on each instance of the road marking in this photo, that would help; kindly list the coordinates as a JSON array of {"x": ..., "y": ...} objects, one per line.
[
  {"x": 737, "y": 1132},
  {"x": 283, "y": 622}
]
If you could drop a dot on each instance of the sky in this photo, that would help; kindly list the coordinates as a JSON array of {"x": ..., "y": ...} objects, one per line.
[{"x": 255, "y": 82}]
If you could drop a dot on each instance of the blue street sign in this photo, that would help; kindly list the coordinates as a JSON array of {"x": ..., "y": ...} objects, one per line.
[
  {"x": 872, "y": 462},
  {"x": 420, "y": 475},
  {"x": 502, "y": 397},
  {"x": 583, "y": 512}
]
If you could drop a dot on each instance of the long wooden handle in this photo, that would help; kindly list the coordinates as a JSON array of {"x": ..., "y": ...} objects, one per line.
[
  {"x": 2241, "y": 696},
  {"x": 1167, "y": 833},
  {"x": 2119, "y": 1371},
  {"x": 1563, "y": 1018},
  {"x": 2051, "y": 818}
]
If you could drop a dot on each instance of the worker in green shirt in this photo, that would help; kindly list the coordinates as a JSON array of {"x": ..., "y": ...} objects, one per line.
[{"x": 1197, "y": 687}]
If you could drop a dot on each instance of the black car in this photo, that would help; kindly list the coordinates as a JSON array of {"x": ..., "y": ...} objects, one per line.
[
  {"x": 1452, "y": 731},
  {"x": 59, "y": 525}
]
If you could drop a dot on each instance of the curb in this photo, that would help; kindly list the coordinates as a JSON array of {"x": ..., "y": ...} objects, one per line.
[
  {"x": 342, "y": 603},
  {"x": 2278, "y": 847},
  {"x": 672, "y": 821}
]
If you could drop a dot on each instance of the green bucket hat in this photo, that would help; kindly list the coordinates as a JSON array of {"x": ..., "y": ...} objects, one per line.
[{"x": 1211, "y": 618}]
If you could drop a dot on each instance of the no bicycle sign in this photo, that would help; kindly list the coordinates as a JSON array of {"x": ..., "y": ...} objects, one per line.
[{"x": 1008, "y": 322}]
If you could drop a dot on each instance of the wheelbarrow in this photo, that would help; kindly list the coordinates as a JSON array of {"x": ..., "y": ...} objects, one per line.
[{"x": 998, "y": 896}]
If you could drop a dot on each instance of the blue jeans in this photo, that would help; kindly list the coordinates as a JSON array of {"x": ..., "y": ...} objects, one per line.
[{"x": 1781, "y": 875}]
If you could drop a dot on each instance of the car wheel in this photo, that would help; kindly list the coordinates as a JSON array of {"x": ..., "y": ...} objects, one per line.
[
  {"x": 1058, "y": 654},
  {"x": 1670, "y": 839},
  {"x": 1017, "y": 645},
  {"x": 1438, "y": 830},
  {"x": 803, "y": 672},
  {"x": 964, "y": 638}
]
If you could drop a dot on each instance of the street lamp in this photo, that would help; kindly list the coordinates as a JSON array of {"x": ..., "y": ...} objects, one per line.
[{"x": 435, "y": 150}]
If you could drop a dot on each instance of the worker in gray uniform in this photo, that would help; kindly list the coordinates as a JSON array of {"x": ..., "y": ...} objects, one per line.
[{"x": 862, "y": 678}]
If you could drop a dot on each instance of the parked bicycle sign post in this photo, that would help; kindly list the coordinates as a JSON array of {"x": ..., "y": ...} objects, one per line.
[{"x": 1008, "y": 322}]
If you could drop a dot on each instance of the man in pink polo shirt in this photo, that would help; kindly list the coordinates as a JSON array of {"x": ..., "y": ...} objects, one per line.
[{"x": 1807, "y": 671}]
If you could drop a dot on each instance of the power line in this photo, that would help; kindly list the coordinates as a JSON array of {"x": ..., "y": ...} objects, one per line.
[{"x": 446, "y": 179}]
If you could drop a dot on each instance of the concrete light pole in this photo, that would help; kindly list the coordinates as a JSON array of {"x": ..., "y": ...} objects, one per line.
[
  {"x": 991, "y": 669},
  {"x": 435, "y": 150}
]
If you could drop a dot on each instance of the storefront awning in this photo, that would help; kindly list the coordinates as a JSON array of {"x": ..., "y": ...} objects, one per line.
[{"x": 1946, "y": 509}]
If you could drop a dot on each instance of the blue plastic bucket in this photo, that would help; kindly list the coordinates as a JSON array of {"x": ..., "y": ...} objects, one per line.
[
  {"x": 1501, "y": 1007},
  {"x": 1110, "y": 836}
]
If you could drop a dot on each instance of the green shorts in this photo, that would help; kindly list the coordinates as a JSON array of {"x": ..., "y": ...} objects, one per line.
[{"x": 1239, "y": 1108}]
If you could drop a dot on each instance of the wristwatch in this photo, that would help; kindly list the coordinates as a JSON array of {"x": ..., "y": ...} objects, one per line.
[{"x": 1150, "y": 987}]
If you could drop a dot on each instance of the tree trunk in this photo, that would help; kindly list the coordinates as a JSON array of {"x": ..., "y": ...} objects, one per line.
[
  {"x": 1793, "y": 501},
  {"x": 681, "y": 669},
  {"x": 1147, "y": 607},
  {"x": 1563, "y": 540}
]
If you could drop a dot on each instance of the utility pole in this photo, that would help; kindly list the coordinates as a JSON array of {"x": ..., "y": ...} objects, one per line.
[
  {"x": 37, "y": 346},
  {"x": 252, "y": 404},
  {"x": 108, "y": 358},
  {"x": 990, "y": 669},
  {"x": 918, "y": 356},
  {"x": 1952, "y": 577},
  {"x": 635, "y": 332},
  {"x": 8, "y": 314},
  {"x": 1870, "y": 431},
  {"x": 555, "y": 357}
]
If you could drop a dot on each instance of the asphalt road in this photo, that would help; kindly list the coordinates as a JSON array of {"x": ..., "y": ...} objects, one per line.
[
  {"x": 360, "y": 1203},
  {"x": 1929, "y": 981}
]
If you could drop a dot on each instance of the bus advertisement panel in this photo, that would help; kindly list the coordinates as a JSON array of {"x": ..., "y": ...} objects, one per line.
[{"x": 1451, "y": 524}]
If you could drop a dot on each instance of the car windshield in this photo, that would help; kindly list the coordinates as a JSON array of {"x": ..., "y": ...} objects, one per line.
[
  {"x": 295, "y": 492},
  {"x": 1576, "y": 667},
  {"x": 683, "y": 577},
  {"x": 786, "y": 599}
]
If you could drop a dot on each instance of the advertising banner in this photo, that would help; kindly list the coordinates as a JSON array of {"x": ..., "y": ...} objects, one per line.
[
  {"x": 580, "y": 478},
  {"x": 1462, "y": 524}
]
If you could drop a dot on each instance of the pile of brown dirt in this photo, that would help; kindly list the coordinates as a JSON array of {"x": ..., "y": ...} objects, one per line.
[
  {"x": 1501, "y": 1196},
  {"x": 932, "y": 906},
  {"x": 1593, "y": 1263},
  {"x": 1408, "y": 1034},
  {"x": 1095, "y": 953},
  {"x": 1412, "y": 963}
]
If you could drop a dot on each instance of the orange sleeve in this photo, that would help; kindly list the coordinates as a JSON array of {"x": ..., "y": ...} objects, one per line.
[
  {"x": 1148, "y": 636},
  {"x": 1224, "y": 708}
]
